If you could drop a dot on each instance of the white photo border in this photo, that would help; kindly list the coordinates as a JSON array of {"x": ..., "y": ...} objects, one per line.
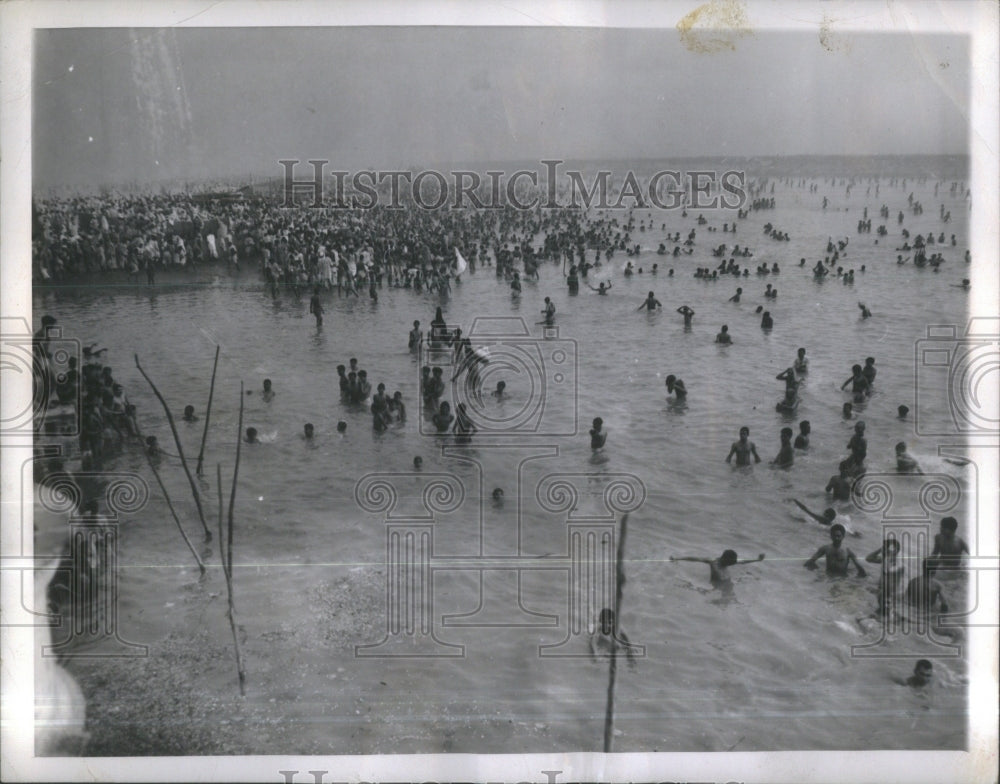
[{"x": 977, "y": 19}]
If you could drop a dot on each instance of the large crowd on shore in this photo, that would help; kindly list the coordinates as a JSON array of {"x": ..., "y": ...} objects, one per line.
[{"x": 132, "y": 238}]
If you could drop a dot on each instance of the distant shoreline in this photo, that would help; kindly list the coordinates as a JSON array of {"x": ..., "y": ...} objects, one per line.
[{"x": 943, "y": 166}]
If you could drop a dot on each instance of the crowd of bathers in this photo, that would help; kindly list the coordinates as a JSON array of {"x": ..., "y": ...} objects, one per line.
[
  {"x": 132, "y": 238},
  {"x": 351, "y": 251},
  {"x": 88, "y": 394}
]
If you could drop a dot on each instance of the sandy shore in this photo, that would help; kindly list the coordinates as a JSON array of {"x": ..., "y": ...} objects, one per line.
[{"x": 183, "y": 698}]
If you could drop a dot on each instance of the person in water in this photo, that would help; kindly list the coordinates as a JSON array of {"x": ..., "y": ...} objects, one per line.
[
  {"x": 650, "y": 303},
  {"x": 838, "y": 558},
  {"x": 790, "y": 379},
  {"x": 345, "y": 382},
  {"x": 869, "y": 372},
  {"x": 802, "y": 439},
  {"x": 801, "y": 364},
  {"x": 905, "y": 462},
  {"x": 153, "y": 447},
  {"x": 598, "y": 436},
  {"x": 415, "y": 336},
  {"x": 890, "y": 581},
  {"x": 859, "y": 384},
  {"x": 443, "y": 418},
  {"x": 789, "y": 403},
  {"x": 786, "y": 455},
  {"x": 828, "y": 518},
  {"x": 573, "y": 280},
  {"x": 723, "y": 336},
  {"x": 675, "y": 386},
  {"x": 439, "y": 329},
  {"x": 858, "y": 446},
  {"x": 687, "y": 313},
  {"x": 743, "y": 449},
  {"x": 948, "y": 546},
  {"x": 719, "y": 567},
  {"x": 923, "y": 674},
  {"x": 606, "y": 636},
  {"x": 549, "y": 311},
  {"x": 316, "y": 307},
  {"x": 396, "y": 406},
  {"x": 926, "y": 596}
]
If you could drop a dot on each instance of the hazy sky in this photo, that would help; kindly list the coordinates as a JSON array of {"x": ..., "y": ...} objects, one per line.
[{"x": 123, "y": 104}]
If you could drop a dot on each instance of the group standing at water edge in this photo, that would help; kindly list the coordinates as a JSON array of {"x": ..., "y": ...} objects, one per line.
[{"x": 299, "y": 252}]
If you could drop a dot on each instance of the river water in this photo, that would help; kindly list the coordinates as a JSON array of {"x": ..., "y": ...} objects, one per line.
[{"x": 771, "y": 669}]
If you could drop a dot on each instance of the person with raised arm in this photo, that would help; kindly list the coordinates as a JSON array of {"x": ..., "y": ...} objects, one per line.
[{"x": 719, "y": 567}]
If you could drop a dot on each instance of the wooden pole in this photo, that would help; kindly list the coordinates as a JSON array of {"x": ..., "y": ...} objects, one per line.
[
  {"x": 609, "y": 713},
  {"x": 180, "y": 450},
  {"x": 236, "y": 473},
  {"x": 227, "y": 573},
  {"x": 226, "y": 551},
  {"x": 208, "y": 414},
  {"x": 222, "y": 533},
  {"x": 176, "y": 520}
]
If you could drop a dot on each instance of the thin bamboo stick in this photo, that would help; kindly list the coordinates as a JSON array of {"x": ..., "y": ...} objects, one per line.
[
  {"x": 609, "y": 713},
  {"x": 208, "y": 414},
  {"x": 226, "y": 552},
  {"x": 176, "y": 519},
  {"x": 236, "y": 473},
  {"x": 222, "y": 533},
  {"x": 180, "y": 450}
]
